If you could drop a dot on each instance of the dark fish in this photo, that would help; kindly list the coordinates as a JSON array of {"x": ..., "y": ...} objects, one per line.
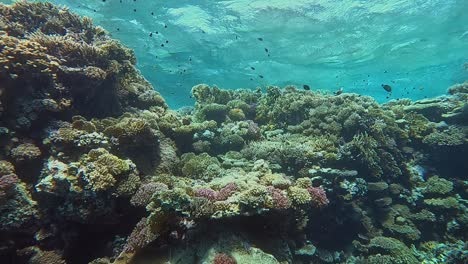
[
  {"x": 165, "y": 26},
  {"x": 339, "y": 91},
  {"x": 152, "y": 13},
  {"x": 306, "y": 87},
  {"x": 162, "y": 45},
  {"x": 253, "y": 68},
  {"x": 134, "y": 10},
  {"x": 261, "y": 39},
  {"x": 261, "y": 76},
  {"x": 266, "y": 50},
  {"x": 151, "y": 34},
  {"x": 387, "y": 87}
]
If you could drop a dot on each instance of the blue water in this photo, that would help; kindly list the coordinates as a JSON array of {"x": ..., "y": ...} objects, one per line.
[{"x": 418, "y": 47}]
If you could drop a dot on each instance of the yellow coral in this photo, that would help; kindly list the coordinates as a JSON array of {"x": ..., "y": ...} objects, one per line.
[
  {"x": 236, "y": 114},
  {"x": 303, "y": 183},
  {"x": 6, "y": 168},
  {"x": 104, "y": 169},
  {"x": 299, "y": 196}
]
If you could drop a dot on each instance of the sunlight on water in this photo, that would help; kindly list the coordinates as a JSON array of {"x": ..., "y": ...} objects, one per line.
[{"x": 418, "y": 47}]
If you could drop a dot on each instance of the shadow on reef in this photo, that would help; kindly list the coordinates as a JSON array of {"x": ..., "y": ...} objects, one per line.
[{"x": 95, "y": 168}]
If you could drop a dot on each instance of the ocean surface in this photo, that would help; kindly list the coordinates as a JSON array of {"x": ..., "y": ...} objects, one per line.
[{"x": 418, "y": 47}]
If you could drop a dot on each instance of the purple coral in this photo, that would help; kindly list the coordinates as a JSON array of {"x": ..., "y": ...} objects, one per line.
[
  {"x": 140, "y": 236},
  {"x": 280, "y": 200},
  {"x": 226, "y": 191},
  {"x": 212, "y": 195},
  {"x": 206, "y": 193},
  {"x": 222, "y": 258},
  {"x": 143, "y": 196},
  {"x": 319, "y": 197}
]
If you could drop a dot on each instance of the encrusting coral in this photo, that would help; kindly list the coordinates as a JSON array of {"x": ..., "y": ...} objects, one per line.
[{"x": 90, "y": 150}]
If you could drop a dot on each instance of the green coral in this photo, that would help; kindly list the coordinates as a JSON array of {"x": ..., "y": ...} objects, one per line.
[
  {"x": 398, "y": 251},
  {"x": 201, "y": 166},
  {"x": 443, "y": 203},
  {"x": 25, "y": 152},
  {"x": 438, "y": 186},
  {"x": 215, "y": 112},
  {"x": 452, "y": 136},
  {"x": 104, "y": 169}
]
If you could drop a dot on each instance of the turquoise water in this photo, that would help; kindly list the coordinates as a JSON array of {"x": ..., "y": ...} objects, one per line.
[{"x": 417, "y": 47}]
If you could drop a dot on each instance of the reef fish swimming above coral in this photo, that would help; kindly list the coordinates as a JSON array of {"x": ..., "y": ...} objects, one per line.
[{"x": 95, "y": 167}]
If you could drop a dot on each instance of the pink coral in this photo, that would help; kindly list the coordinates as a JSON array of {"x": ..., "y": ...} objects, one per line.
[
  {"x": 140, "y": 236},
  {"x": 7, "y": 183},
  {"x": 280, "y": 201},
  {"x": 226, "y": 191},
  {"x": 212, "y": 195},
  {"x": 143, "y": 196},
  {"x": 222, "y": 258},
  {"x": 206, "y": 193},
  {"x": 319, "y": 197}
]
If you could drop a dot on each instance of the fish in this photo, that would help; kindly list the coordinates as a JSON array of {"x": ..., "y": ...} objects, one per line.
[
  {"x": 339, "y": 91},
  {"x": 253, "y": 68},
  {"x": 266, "y": 50},
  {"x": 387, "y": 87},
  {"x": 261, "y": 39},
  {"x": 306, "y": 87}
]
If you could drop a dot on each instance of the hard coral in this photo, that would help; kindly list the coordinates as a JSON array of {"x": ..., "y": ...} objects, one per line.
[
  {"x": 222, "y": 258},
  {"x": 25, "y": 152},
  {"x": 318, "y": 195},
  {"x": 140, "y": 236}
]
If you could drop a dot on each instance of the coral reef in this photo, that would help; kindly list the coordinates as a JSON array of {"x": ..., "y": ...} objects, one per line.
[{"x": 94, "y": 167}]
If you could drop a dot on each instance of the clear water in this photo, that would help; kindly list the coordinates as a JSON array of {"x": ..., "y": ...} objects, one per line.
[{"x": 418, "y": 47}]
